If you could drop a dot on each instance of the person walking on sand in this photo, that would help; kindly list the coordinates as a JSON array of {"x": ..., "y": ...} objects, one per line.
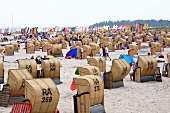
[
  {"x": 32, "y": 57},
  {"x": 134, "y": 70},
  {"x": 105, "y": 52},
  {"x": 163, "y": 45}
]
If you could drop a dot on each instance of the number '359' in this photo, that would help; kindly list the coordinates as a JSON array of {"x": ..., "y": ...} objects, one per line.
[{"x": 46, "y": 99}]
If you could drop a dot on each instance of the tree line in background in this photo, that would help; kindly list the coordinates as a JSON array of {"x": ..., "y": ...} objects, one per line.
[{"x": 151, "y": 23}]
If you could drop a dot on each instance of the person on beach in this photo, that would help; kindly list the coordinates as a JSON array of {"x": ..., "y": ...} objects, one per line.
[
  {"x": 126, "y": 46},
  {"x": 160, "y": 55},
  {"x": 163, "y": 45},
  {"x": 2, "y": 39},
  {"x": 38, "y": 59},
  {"x": 26, "y": 42},
  {"x": 134, "y": 70},
  {"x": 51, "y": 52},
  {"x": 120, "y": 46},
  {"x": 32, "y": 57},
  {"x": 2, "y": 55},
  {"x": 105, "y": 52}
]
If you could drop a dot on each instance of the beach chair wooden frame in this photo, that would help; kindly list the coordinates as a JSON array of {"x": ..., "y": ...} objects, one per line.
[
  {"x": 158, "y": 75},
  {"x": 81, "y": 101},
  {"x": 55, "y": 80},
  {"x": 108, "y": 81},
  {"x": 137, "y": 76},
  {"x": 2, "y": 79},
  {"x": 5, "y": 96},
  {"x": 168, "y": 70},
  {"x": 82, "y": 104},
  {"x": 29, "y": 51},
  {"x": 37, "y": 68},
  {"x": 108, "y": 78}
]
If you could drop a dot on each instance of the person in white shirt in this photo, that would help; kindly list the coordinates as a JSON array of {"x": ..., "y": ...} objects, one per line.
[
  {"x": 39, "y": 38},
  {"x": 2, "y": 55},
  {"x": 105, "y": 52}
]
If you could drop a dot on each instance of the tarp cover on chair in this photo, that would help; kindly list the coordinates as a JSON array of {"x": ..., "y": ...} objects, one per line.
[
  {"x": 129, "y": 59},
  {"x": 72, "y": 53}
]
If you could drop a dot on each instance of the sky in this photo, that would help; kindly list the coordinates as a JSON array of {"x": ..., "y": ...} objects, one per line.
[{"x": 63, "y": 13}]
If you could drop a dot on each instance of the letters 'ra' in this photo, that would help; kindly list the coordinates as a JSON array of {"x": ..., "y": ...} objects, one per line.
[
  {"x": 29, "y": 68},
  {"x": 96, "y": 82},
  {"x": 46, "y": 92},
  {"x": 52, "y": 67},
  {"x": 96, "y": 85},
  {"x": 95, "y": 71}
]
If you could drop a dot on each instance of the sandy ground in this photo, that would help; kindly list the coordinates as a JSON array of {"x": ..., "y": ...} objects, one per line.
[{"x": 149, "y": 97}]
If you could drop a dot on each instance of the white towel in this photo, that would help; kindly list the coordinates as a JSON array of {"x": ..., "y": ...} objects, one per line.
[{"x": 1, "y": 87}]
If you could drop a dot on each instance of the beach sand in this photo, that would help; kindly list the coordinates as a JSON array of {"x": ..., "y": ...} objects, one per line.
[{"x": 149, "y": 97}]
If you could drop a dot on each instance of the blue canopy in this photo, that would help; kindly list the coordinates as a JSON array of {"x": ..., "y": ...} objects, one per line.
[
  {"x": 133, "y": 40},
  {"x": 155, "y": 38},
  {"x": 128, "y": 59},
  {"x": 72, "y": 53}
]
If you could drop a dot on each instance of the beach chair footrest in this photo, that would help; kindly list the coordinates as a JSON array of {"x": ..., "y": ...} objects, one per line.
[
  {"x": 147, "y": 79},
  {"x": 16, "y": 99},
  {"x": 97, "y": 109},
  {"x": 1, "y": 80},
  {"x": 117, "y": 84},
  {"x": 56, "y": 80}
]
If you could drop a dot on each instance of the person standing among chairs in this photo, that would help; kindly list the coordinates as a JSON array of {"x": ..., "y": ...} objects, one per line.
[
  {"x": 163, "y": 45},
  {"x": 135, "y": 66},
  {"x": 105, "y": 52}
]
